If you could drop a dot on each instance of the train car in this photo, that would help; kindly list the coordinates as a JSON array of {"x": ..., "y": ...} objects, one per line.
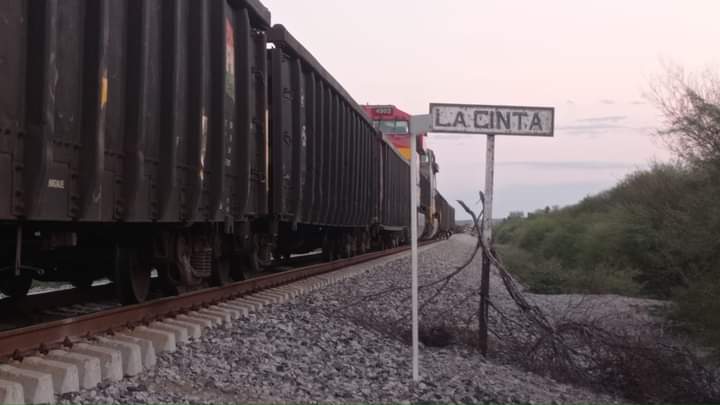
[
  {"x": 428, "y": 190},
  {"x": 445, "y": 216},
  {"x": 169, "y": 135},
  {"x": 395, "y": 197},
  {"x": 394, "y": 124},
  {"x": 335, "y": 184},
  {"x": 133, "y": 137}
]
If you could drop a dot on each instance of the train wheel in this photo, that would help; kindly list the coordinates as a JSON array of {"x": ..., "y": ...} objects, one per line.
[
  {"x": 221, "y": 272},
  {"x": 82, "y": 277},
  {"x": 169, "y": 280},
  {"x": 350, "y": 246},
  {"x": 132, "y": 277},
  {"x": 328, "y": 249},
  {"x": 226, "y": 271},
  {"x": 361, "y": 244},
  {"x": 344, "y": 247},
  {"x": 16, "y": 287},
  {"x": 82, "y": 282},
  {"x": 253, "y": 262},
  {"x": 239, "y": 268}
]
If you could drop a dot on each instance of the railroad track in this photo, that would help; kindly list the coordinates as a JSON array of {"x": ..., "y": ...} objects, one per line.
[
  {"x": 62, "y": 333},
  {"x": 54, "y": 305},
  {"x": 110, "y": 343},
  {"x": 62, "y": 303}
]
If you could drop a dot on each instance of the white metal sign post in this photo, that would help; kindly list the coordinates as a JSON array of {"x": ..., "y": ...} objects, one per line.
[
  {"x": 419, "y": 124},
  {"x": 487, "y": 236},
  {"x": 490, "y": 120},
  {"x": 413, "y": 254}
]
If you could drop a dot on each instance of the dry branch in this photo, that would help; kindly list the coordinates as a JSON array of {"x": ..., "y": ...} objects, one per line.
[{"x": 638, "y": 366}]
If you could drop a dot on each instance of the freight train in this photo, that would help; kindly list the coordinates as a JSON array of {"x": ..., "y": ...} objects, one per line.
[
  {"x": 436, "y": 217},
  {"x": 190, "y": 137}
]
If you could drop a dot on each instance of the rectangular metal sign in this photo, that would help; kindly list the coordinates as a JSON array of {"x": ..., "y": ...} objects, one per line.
[
  {"x": 492, "y": 119},
  {"x": 419, "y": 124}
]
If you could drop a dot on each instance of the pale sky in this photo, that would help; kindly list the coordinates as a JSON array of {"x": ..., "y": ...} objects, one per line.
[{"x": 591, "y": 60}]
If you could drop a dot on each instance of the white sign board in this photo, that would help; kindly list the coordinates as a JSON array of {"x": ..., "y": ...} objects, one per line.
[
  {"x": 419, "y": 124},
  {"x": 492, "y": 119}
]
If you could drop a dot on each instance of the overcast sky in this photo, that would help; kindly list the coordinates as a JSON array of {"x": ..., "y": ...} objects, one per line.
[{"x": 591, "y": 60}]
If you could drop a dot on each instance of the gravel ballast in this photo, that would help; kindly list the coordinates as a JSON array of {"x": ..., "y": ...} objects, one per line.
[{"x": 337, "y": 345}]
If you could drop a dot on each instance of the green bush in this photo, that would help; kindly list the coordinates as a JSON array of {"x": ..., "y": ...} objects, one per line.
[
  {"x": 656, "y": 234},
  {"x": 549, "y": 276}
]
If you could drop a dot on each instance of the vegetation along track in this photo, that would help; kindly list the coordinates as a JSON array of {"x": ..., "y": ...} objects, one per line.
[{"x": 16, "y": 343}]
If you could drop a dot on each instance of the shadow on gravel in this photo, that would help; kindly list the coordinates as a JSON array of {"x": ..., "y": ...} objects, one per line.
[{"x": 436, "y": 336}]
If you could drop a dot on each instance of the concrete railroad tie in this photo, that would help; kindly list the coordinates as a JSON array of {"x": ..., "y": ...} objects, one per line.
[{"x": 38, "y": 379}]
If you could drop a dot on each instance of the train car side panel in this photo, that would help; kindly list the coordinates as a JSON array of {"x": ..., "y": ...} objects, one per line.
[
  {"x": 328, "y": 131},
  {"x": 12, "y": 103},
  {"x": 125, "y": 111},
  {"x": 396, "y": 193}
]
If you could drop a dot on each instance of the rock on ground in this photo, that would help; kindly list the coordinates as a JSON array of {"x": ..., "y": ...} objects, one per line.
[{"x": 337, "y": 345}]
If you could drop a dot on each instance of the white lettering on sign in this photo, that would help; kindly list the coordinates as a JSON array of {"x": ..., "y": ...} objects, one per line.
[
  {"x": 493, "y": 120},
  {"x": 56, "y": 183}
]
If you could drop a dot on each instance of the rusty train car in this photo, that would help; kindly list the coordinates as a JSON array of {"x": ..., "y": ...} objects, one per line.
[{"x": 187, "y": 136}]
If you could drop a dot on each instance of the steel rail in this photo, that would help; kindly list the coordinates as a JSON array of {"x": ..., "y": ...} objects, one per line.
[{"x": 15, "y": 343}]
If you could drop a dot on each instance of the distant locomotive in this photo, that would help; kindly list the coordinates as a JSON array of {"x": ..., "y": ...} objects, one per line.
[
  {"x": 435, "y": 215},
  {"x": 144, "y": 134}
]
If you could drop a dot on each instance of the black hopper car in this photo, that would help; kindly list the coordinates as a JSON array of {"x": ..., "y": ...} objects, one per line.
[
  {"x": 186, "y": 136},
  {"x": 446, "y": 216}
]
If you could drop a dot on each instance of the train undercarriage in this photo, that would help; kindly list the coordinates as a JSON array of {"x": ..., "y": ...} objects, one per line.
[{"x": 182, "y": 258}]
